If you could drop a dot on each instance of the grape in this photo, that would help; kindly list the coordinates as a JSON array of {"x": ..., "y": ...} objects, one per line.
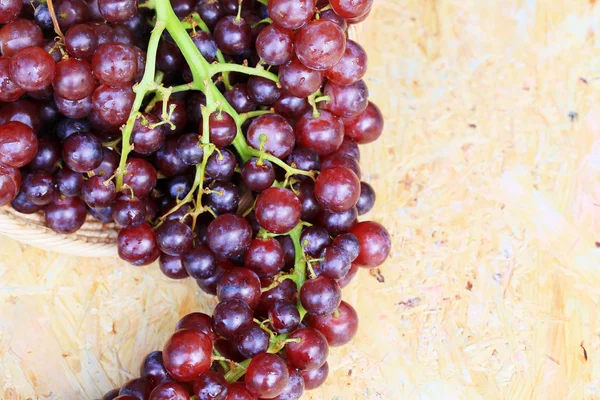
[
  {"x": 310, "y": 205},
  {"x": 198, "y": 321},
  {"x": 137, "y": 245},
  {"x": 300, "y": 81},
  {"x": 114, "y": 64},
  {"x": 258, "y": 176},
  {"x": 229, "y": 235},
  {"x": 169, "y": 58},
  {"x": 10, "y": 183},
  {"x": 320, "y": 296},
  {"x": 310, "y": 352},
  {"x": 352, "y": 66},
  {"x": 351, "y": 8},
  {"x": 345, "y": 280},
  {"x": 39, "y": 188},
  {"x": 267, "y": 375},
  {"x": 291, "y": 14},
  {"x": 209, "y": 285},
  {"x": 242, "y": 284},
  {"x": 187, "y": 354},
  {"x": 338, "y": 329},
  {"x": 70, "y": 12},
  {"x": 337, "y": 189},
  {"x": 82, "y": 152},
  {"x": 103, "y": 215},
  {"x": 231, "y": 316},
  {"x": 289, "y": 106},
  {"x": 167, "y": 159},
  {"x": 323, "y": 134},
  {"x": 113, "y": 103},
  {"x": 210, "y": 11},
  {"x": 367, "y": 126},
  {"x": 278, "y": 210},
  {"x": 126, "y": 397},
  {"x": 153, "y": 368},
  {"x": 73, "y": 108},
  {"x": 348, "y": 242},
  {"x": 139, "y": 388},
  {"x": 9, "y": 10},
  {"x": 81, "y": 41},
  {"x": 65, "y": 215},
  {"x": 305, "y": 159},
  {"x": 340, "y": 160},
  {"x": 239, "y": 99},
  {"x": 145, "y": 138},
  {"x": 333, "y": 17},
  {"x": 110, "y": 162},
  {"x": 233, "y": 35},
  {"x": 274, "y": 45},
  {"x": 205, "y": 44},
  {"x": 18, "y": 34},
  {"x": 129, "y": 211},
  {"x": 200, "y": 262},
  {"x": 239, "y": 391},
  {"x": 366, "y": 201},
  {"x": 172, "y": 266},
  {"x": 320, "y": 44},
  {"x": 20, "y": 203},
  {"x": 104, "y": 33},
  {"x": 117, "y": 10},
  {"x": 252, "y": 340},
  {"x": 295, "y": 386},
  {"x": 169, "y": 391},
  {"x": 210, "y": 386},
  {"x": 174, "y": 237},
  {"x": 314, "y": 239},
  {"x": 179, "y": 187},
  {"x": 73, "y": 79},
  {"x": 18, "y": 144},
  {"x": 375, "y": 243},
  {"x": 315, "y": 378},
  {"x": 262, "y": 90},
  {"x": 112, "y": 395},
  {"x": 284, "y": 316},
  {"x": 68, "y": 182},
  {"x": 24, "y": 111},
  {"x": 9, "y": 90},
  {"x": 264, "y": 256},
  {"x": 222, "y": 129},
  {"x": 68, "y": 126},
  {"x": 221, "y": 165},
  {"x": 277, "y": 133},
  {"x": 124, "y": 35},
  {"x": 32, "y": 68},
  {"x": 223, "y": 198},
  {"x": 346, "y": 101}
]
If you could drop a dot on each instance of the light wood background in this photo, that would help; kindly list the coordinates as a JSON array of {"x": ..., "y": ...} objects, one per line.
[{"x": 488, "y": 179}]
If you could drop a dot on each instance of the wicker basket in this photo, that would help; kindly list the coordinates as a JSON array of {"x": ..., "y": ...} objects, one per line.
[{"x": 94, "y": 239}]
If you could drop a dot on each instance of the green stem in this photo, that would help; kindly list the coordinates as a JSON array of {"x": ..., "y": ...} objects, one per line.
[
  {"x": 243, "y": 69},
  {"x": 237, "y": 371},
  {"x": 141, "y": 89},
  {"x": 257, "y": 113}
]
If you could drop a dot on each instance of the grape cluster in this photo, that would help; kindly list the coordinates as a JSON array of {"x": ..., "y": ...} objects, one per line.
[{"x": 221, "y": 138}]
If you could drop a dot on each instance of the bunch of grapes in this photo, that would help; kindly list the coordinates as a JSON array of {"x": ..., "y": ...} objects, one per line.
[{"x": 221, "y": 138}]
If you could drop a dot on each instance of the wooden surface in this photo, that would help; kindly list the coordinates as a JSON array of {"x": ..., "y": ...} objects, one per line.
[{"x": 488, "y": 179}]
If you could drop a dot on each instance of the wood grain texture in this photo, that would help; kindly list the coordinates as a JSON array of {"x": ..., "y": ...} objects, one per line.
[{"x": 487, "y": 177}]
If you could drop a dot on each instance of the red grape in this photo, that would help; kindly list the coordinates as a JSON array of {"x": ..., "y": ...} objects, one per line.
[
  {"x": 337, "y": 189},
  {"x": 320, "y": 44},
  {"x": 18, "y": 144},
  {"x": 365, "y": 127},
  {"x": 267, "y": 375},
  {"x": 375, "y": 243},
  {"x": 291, "y": 14},
  {"x": 339, "y": 328},
  {"x": 310, "y": 352},
  {"x": 352, "y": 66},
  {"x": 187, "y": 354}
]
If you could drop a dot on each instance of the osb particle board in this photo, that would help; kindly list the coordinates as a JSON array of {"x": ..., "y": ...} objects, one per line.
[{"x": 487, "y": 177}]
